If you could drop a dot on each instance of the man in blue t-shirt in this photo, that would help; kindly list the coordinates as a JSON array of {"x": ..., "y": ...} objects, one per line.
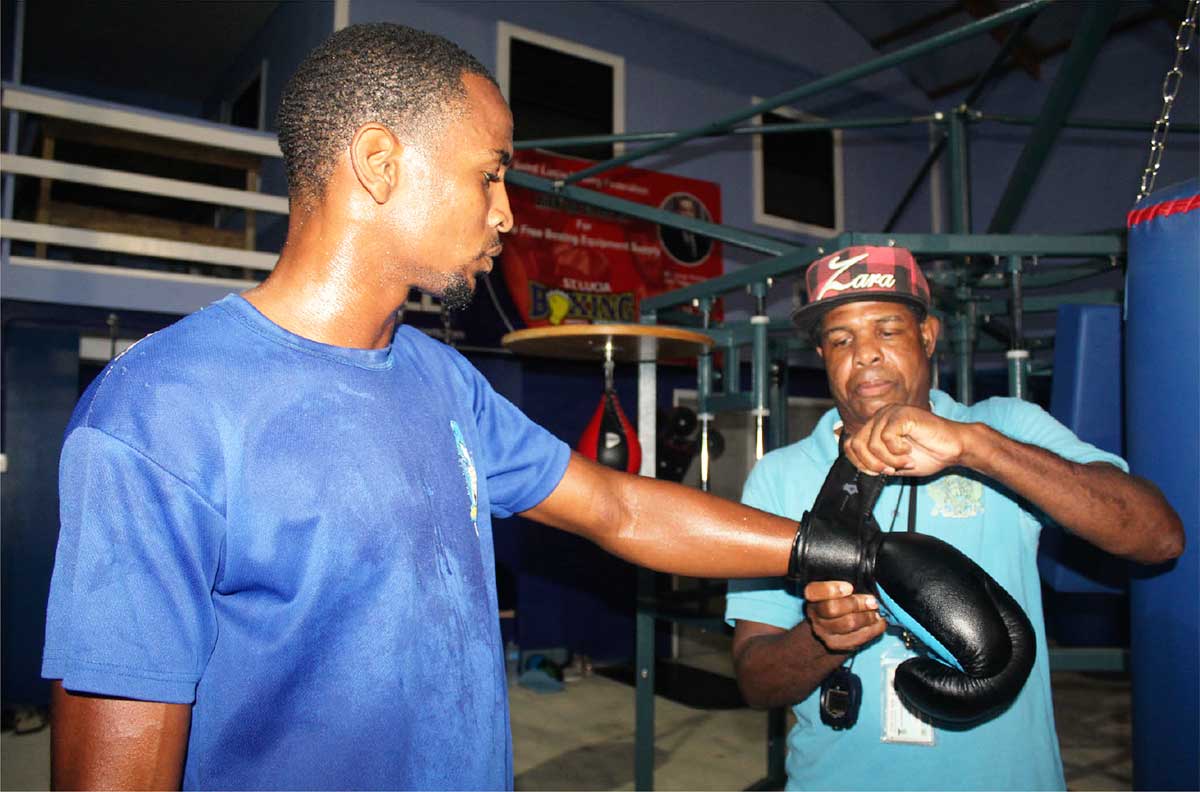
[
  {"x": 275, "y": 565},
  {"x": 981, "y": 478}
]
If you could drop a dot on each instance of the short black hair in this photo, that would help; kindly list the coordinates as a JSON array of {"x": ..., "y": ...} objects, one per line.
[
  {"x": 391, "y": 74},
  {"x": 818, "y": 330}
]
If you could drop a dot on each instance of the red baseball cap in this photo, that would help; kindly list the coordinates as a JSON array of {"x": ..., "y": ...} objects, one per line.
[{"x": 865, "y": 272}]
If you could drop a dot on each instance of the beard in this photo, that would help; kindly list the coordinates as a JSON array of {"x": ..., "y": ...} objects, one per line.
[{"x": 458, "y": 293}]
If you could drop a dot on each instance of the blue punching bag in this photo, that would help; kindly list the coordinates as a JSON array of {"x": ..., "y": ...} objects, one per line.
[{"x": 1162, "y": 420}]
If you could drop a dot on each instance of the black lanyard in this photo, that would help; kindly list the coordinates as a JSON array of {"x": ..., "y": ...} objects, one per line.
[{"x": 912, "y": 507}]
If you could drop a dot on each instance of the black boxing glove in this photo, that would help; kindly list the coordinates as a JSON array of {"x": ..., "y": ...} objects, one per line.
[{"x": 981, "y": 641}]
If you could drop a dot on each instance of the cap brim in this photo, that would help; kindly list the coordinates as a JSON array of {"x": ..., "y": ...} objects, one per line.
[{"x": 806, "y": 317}]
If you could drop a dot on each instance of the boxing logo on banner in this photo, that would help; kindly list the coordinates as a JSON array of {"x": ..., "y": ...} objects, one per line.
[{"x": 567, "y": 263}]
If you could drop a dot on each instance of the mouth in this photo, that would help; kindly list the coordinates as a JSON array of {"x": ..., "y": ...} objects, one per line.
[
  {"x": 492, "y": 252},
  {"x": 872, "y": 388}
]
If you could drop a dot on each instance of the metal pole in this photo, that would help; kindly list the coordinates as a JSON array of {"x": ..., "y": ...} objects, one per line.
[
  {"x": 581, "y": 141},
  {"x": 703, "y": 390},
  {"x": 981, "y": 82},
  {"x": 820, "y": 85},
  {"x": 1062, "y": 94},
  {"x": 1017, "y": 356},
  {"x": 643, "y": 761},
  {"x": 960, "y": 174},
  {"x": 783, "y": 264},
  {"x": 1085, "y": 123},
  {"x": 960, "y": 223},
  {"x": 745, "y": 239},
  {"x": 777, "y": 434},
  {"x": 964, "y": 346},
  {"x": 760, "y": 367}
]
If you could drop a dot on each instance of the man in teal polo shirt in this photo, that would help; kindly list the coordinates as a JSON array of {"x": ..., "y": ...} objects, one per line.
[{"x": 983, "y": 477}]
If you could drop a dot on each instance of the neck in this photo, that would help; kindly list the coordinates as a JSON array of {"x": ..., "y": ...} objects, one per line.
[{"x": 327, "y": 286}]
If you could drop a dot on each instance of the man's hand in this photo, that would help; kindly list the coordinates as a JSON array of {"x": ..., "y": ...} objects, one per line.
[
  {"x": 1119, "y": 513},
  {"x": 908, "y": 441},
  {"x": 842, "y": 620}
]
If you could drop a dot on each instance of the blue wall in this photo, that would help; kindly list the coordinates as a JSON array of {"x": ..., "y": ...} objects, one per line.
[{"x": 41, "y": 385}]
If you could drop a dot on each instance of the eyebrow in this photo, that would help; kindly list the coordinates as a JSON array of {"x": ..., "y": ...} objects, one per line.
[
  {"x": 846, "y": 328},
  {"x": 504, "y": 155}
]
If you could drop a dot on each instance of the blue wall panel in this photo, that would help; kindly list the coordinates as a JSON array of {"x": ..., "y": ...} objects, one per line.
[{"x": 41, "y": 385}]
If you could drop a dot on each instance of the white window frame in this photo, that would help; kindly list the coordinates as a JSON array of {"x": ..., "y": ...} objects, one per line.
[
  {"x": 786, "y": 223},
  {"x": 506, "y": 32}
]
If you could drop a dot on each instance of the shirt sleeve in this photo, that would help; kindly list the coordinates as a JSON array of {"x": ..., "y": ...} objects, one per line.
[
  {"x": 521, "y": 461},
  {"x": 130, "y": 612},
  {"x": 1028, "y": 423},
  {"x": 764, "y": 600}
]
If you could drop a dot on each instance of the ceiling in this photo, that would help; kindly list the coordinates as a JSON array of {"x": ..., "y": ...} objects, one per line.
[
  {"x": 176, "y": 47},
  {"x": 877, "y": 27},
  {"x": 890, "y": 25},
  {"x": 183, "y": 47}
]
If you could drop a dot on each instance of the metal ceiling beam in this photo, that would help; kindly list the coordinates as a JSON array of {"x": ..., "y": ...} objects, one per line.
[
  {"x": 1015, "y": 35},
  {"x": 734, "y": 236},
  {"x": 1023, "y": 53},
  {"x": 820, "y": 85},
  {"x": 1086, "y": 123},
  {"x": 1097, "y": 20},
  {"x": 580, "y": 141}
]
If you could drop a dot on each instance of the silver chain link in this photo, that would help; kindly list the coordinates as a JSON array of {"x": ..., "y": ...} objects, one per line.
[{"x": 1170, "y": 87}]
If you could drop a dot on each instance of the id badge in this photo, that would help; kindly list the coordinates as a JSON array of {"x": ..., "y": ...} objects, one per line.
[{"x": 900, "y": 724}]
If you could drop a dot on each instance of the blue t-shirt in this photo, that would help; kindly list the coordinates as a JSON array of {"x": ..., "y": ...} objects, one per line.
[
  {"x": 297, "y": 538},
  {"x": 1016, "y": 750}
]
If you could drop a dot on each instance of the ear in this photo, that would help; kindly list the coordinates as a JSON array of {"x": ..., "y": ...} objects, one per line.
[
  {"x": 931, "y": 328},
  {"x": 375, "y": 156}
]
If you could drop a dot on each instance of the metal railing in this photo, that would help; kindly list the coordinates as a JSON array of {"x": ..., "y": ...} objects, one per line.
[{"x": 142, "y": 271}]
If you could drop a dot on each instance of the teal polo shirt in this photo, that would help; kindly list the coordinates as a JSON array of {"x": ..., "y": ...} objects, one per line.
[{"x": 1017, "y": 749}]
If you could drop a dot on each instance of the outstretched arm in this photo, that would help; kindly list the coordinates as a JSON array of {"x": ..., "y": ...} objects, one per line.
[
  {"x": 1122, "y": 514},
  {"x": 666, "y": 526},
  {"x": 99, "y": 742}
]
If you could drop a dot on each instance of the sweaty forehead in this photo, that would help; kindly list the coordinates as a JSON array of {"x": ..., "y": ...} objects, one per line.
[{"x": 487, "y": 113}]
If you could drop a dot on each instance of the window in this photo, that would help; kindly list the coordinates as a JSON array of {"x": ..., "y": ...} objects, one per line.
[
  {"x": 245, "y": 106},
  {"x": 557, "y": 88},
  {"x": 798, "y": 177}
]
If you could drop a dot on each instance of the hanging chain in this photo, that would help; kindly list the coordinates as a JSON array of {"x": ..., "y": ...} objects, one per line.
[{"x": 1170, "y": 87}]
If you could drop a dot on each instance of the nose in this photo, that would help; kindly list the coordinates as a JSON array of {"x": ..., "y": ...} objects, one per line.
[
  {"x": 866, "y": 351},
  {"x": 500, "y": 214}
]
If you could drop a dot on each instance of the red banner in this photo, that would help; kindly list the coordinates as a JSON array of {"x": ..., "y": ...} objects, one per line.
[{"x": 569, "y": 263}]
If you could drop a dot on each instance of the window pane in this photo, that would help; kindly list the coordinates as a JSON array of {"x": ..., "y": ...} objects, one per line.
[
  {"x": 798, "y": 174},
  {"x": 554, "y": 94}
]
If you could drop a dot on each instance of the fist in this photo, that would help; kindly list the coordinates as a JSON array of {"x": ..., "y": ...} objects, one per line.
[
  {"x": 907, "y": 441},
  {"x": 840, "y": 619}
]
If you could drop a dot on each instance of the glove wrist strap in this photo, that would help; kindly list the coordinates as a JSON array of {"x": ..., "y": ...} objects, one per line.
[{"x": 793, "y": 570}]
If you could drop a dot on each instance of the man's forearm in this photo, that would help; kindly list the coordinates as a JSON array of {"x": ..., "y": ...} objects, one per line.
[
  {"x": 1119, "y": 513},
  {"x": 781, "y": 669},
  {"x": 666, "y": 526}
]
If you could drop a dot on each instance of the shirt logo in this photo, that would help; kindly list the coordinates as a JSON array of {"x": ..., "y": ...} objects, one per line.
[
  {"x": 864, "y": 280},
  {"x": 468, "y": 470},
  {"x": 956, "y": 497}
]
